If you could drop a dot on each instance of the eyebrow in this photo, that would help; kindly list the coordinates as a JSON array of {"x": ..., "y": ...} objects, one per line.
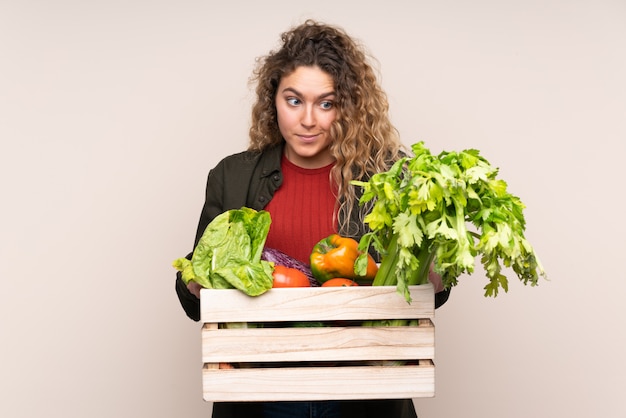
[{"x": 297, "y": 93}]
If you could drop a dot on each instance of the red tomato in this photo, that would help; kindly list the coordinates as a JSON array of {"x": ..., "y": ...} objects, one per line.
[
  {"x": 289, "y": 277},
  {"x": 339, "y": 281}
]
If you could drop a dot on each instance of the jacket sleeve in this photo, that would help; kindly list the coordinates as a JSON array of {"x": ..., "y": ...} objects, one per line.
[
  {"x": 226, "y": 188},
  {"x": 213, "y": 200},
  {"x": 212, "y": 207},
  {"x": 442, "y": 297}
]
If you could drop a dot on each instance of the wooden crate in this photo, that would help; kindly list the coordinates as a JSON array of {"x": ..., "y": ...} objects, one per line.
[{"x": 341, "y": 360}]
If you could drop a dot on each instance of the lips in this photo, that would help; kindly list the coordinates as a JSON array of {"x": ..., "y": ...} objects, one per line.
[{"x": 308, "y": 138}]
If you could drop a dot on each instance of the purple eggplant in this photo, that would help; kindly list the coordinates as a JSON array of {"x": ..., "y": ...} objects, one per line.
[{"x": 280, "y": 258}]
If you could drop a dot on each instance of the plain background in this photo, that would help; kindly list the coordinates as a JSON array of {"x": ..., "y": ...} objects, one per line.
[{"x": 112, "y": 112}]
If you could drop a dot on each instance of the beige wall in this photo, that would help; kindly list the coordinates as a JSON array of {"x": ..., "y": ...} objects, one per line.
[{"x": 112, "y": 112}]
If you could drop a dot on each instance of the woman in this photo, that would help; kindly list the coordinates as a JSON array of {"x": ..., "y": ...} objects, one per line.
[{"x": 320, "y": 121}]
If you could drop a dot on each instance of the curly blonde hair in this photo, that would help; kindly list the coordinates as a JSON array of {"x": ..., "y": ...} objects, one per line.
[{"x": 364, "y": 140}]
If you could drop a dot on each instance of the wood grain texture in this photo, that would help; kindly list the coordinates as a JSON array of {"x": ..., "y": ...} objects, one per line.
[
  {"x": 323, "y": 383},
  {"x": 340, "y": 360},
  {"x": 316, "y": 304},
  {"x": 318, "y": 344}
]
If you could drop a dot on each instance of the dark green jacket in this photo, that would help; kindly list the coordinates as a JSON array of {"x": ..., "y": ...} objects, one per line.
[{"x": 244, "y": 179}]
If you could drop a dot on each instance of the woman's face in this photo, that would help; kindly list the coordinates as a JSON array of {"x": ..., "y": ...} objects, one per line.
[{"x": 305, "y": 105}]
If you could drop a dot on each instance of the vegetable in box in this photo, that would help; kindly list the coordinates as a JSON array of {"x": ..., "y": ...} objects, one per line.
[
  {"x": 445, "y": 210},
  {"x": 228, "y": 255}
]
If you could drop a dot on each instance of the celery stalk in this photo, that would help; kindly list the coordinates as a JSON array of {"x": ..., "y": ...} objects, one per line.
[{"x": 422, "y": 206}]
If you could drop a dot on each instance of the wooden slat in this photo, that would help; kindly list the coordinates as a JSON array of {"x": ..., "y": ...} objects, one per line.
[
  {"x": 264, "y": 354},
  {"x": 316, "y": 304},
  {"x": 318, "y": 344},
  {"x": 318, "y": 383}
]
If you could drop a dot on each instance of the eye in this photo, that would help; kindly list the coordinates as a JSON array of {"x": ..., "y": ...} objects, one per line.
[
  {"x": 326, "y": 105},
  {"x": 293, "y": 101}
]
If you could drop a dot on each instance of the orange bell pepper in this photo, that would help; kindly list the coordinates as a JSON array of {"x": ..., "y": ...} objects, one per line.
[{"x": 334, "y": 256}]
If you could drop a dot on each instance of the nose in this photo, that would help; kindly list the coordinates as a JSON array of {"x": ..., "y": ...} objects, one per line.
[{"x": 308, "y": 119}]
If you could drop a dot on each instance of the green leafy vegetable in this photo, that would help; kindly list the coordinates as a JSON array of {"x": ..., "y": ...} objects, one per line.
[
  {"x": 228, "y": 254},
  {"x": 446, "y": 210}
]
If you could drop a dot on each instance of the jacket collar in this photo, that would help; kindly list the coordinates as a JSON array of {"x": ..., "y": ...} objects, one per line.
[{"x": 271, "y": 163}]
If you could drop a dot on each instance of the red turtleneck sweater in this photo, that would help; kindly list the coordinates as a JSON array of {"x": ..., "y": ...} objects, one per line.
[{"x": 301, "y": 210}]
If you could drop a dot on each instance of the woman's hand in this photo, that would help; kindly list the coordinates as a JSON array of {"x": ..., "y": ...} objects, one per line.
[{"x": 194, "y": 288}]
